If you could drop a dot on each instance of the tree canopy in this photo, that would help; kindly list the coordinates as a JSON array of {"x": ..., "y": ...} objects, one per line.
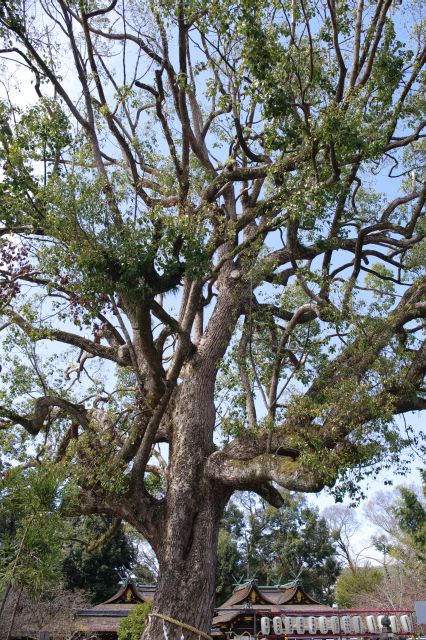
[
  {"x": 43, "y": 558},
  {"x": 276, "y": 546},
  {"x": 211, "y": 256},
  {"x": 31, "y": 534},
  {"x": 97, "y": 572},
  {"x": 410, "y": 514}
]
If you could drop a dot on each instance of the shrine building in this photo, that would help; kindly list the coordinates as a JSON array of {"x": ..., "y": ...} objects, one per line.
[
  {"x": 288, "y": 612},
  {"x": 101, "y": 622},
  {"x": 281, "y": 612}
]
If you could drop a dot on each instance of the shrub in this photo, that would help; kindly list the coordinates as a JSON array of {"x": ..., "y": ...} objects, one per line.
[
  {"x": 351, "y": 584},
  {"x": 132, "y": 627}
]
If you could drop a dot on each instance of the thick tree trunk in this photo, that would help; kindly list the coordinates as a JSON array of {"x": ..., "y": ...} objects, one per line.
[
  {"x": 186, "y": 586},
  {"x": 187, "y": 552}
]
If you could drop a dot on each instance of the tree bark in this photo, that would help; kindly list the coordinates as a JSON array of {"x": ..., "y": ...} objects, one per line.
[
  {"x": 186, "y": 586},
  {"x": 15, "y": 608},
  {"x": 194, "y": 507},
  {"x": 5, "y": 596}
]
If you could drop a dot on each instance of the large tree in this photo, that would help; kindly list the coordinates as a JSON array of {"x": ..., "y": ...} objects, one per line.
[
  {"x": 202, "y": 186},
  {"x": 294, "y": 542}
]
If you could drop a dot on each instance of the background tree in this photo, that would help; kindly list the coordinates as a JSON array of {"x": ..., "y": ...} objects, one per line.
[
  {"x": 193, "y": 189},
  {"x": 40, "y": 549},
  {"x": 31, "y": 539},
  {"x": 358, "y": 583},
  {"x": 45, "y": 558},
  {"x": 398, "y": 577},
  {"x": 276, "y": 546},
  {"x": 232, "y": 561},
  {"x": 51, "y": 611},
  {"x": 344, "y": 526},
  {"x": 97, "y": 571},
  {"x": 410, "y": 513}
]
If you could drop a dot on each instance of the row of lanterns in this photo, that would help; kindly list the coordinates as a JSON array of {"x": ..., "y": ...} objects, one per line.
[{"x": 337, "y": 625}]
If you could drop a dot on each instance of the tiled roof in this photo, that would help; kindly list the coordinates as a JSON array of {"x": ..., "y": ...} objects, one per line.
[{"x": 270, "y": 595}]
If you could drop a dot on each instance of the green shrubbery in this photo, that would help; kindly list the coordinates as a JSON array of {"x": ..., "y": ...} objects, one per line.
[{"x": 132, "y": 627}]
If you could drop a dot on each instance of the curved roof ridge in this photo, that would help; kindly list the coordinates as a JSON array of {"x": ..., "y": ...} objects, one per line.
[{"x": 120, "y": 595}]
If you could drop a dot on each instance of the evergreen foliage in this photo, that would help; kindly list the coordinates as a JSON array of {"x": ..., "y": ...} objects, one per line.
[
  {"x": 276, "y": 546},
  {"x": 410, "y": 512},
  {"x": 31, "y": 532},
  {"x": 97, "y": 572}
]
